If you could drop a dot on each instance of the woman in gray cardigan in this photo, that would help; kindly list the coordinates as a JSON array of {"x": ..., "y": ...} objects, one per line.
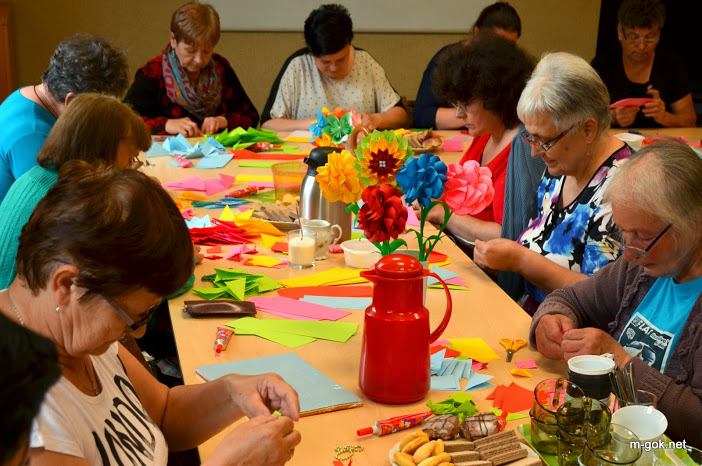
[{"x": 644, "y": 308}]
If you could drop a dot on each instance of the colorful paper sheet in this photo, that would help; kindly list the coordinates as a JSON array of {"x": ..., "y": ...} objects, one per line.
[
  {"x": 474, "y": 348},
  {"x": 214, "y": 161},
  {"x": 526, "y": 364},
  {"x": 512, "y": 398},
  {"x": 356, "y": 291},
  {"x": 258, "y": 164},
  {"x": 510, "y": 416},
  {"x": 450, "y": 145},
  {"x": 299, "y": 136},
  {"x": 195, "y": 183},
  {"x": 521, "y": 373},
  {"x": 276, "y": 304},
  {"x": 335, "y": 275},
  {"x": 266, "y": 261},
  {"x": 245, "y": 178},
  {"x": 478, "y": 381},
  {"x": 443, "y": 273},
  {"x": 358, "y": 304},
  {"x": 236, "y": 283},
  {"x": 293, "y": 333},
  {"x": 631, "y": 102}
]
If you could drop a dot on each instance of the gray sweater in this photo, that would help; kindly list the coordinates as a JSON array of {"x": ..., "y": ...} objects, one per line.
[{"x": 607, "y": 301}]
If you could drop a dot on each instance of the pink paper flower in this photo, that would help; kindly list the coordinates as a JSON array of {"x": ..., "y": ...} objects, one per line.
[{"x": 468, "y": 189}]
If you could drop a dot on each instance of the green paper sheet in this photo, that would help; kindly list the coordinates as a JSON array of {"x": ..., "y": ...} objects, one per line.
[
  {"x": 510, "y": 416},
  {"x": 210, "y": 293},
  {"x": 258, "y": 164},
  {"x": 285, "y": 339},
  {"x": 236, "y": 288},
  {"x": 450, "y": 287},
  {"x": 323, "y": 330},
  {"x": 267, "y": 284}
]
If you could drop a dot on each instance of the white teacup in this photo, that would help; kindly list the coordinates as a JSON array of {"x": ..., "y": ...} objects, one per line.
[
  {"x": 325, "y": 235},
  {"x": 648, "y": 424}
]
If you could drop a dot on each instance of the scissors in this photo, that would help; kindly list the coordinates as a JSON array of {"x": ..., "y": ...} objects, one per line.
[{"x": 512, "y": 346}]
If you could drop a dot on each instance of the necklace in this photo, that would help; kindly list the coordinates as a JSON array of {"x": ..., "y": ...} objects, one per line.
[
  {"x": 14, "y": 308},
  {"x": 46, "y": 103},
  {"x": 90, "y": 388}
]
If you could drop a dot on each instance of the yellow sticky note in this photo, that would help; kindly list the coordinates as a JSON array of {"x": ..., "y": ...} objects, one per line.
[
  {"x": 267, "y": 241},
  {"x": 245, "y": 178},
  {"x": 474, "y": 348},
  {"x": 264, "y": 261},
  {"x": 227, "y": 214},
  {"x": 521, "y": 372}
]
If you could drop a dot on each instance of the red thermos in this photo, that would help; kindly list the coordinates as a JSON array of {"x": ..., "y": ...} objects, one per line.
[{"x": 395, "y": 366}]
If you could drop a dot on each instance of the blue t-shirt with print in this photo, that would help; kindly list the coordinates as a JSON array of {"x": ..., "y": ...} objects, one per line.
[{"x": 654, "y": 329}]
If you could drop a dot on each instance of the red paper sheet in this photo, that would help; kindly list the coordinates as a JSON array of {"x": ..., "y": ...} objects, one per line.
[
  {"x": 243, "y": 154},
  {"x": 360, "y": 291},
  {"x": 517, "y": 398},
  {"x": 436, "y": 257},
  {"x": 279, "y": 247},
  {"x": 450, "y": 353}
]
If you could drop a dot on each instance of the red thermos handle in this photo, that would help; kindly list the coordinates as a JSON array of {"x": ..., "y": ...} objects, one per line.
[{"x": 447, "y": 316}]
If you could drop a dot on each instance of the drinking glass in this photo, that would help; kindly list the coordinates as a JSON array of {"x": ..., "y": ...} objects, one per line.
[
  {"x": 549, "y": 395},
  {"x": 610, "y": 445},
  {"x": 575, "y": 417}
]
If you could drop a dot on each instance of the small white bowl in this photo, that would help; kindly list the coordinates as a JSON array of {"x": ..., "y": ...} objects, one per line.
[
  {"x": 634, "y": 140},
  {"x": 360, "y": 253}
]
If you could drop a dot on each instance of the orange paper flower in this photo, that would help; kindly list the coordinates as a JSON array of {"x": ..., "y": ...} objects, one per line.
[
  {"x": 338, "y": 179},
  {"x": 380, "y": 156},
  {"x": 325, "y": 140}
]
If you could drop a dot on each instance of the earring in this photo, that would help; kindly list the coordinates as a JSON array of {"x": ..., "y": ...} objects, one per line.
[{"x": 58, "y": 308}]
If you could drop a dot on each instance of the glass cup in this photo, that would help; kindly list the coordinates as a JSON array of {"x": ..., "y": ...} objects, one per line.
[
  {"x": 648, "y": 424},
  {"x": 301, "y": 249},
  {"x": 643, "y": 398},
  {"x": 575, "y": 417},
  {"x": 610, "y": 445},
  {"x": 684, "y": 456},
  {"x": 327, "y": 235},
  {"x": 549, "y": 395}
]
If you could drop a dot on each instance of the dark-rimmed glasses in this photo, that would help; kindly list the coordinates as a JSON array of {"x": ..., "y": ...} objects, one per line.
[
  {"x": 544, "y": 146},
  {"x": 128, "y": 320},
  {"x": 642, "y": 253}
]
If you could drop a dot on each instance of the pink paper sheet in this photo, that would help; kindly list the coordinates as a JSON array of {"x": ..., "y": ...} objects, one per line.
[
  {"x": 526, "y": 364},
  {"x": 412, "y": 219},
  {"x": 631, "y": 102},
  {"x": 278, "y": 304},
  {"x": 209, "y": 185},
  {"x": 450, "y": 145}
]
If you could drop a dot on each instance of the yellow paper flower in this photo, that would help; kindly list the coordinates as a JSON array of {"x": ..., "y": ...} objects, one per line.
[
  {"x": 338, "y": 179},
  {"x": 380, "y": 156},
  {"x": 325, "y": 140}
]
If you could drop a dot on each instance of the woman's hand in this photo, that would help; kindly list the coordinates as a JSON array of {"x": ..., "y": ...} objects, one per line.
[
  {"x": 498, "y": 254},
  {"x": 592, "y": 341},
  {"x": 184, "y": 126},
  {"x": 370, "y": 121},
  {"x": 259, "y": 395},
  {"x": 624, "y": 116},
  {"x": 262, "y": 440},
  {"x": 212, "y": 125},
  {"x": 549, "y": 334},
  {"x": 655, "y": 109},
  {"x": 199, "y": 256}
]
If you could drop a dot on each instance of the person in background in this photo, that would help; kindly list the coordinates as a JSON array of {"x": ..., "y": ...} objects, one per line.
[
  {"x": 639, "y": 71},
  {"x": 80, "y": 64},
  {"x": 96, "y": 128},
  {"x": 98, "y": 254},
  {"x": 430, "y": 112},
  {"x": 189, "y": 89},
  {"x": 485, "y": 80},
  {"x": 330, "y": 72},
  {"x": 565, "y": 109},
  {"x": 650, "y": 297},
  {"x": 29, "y": 368}
]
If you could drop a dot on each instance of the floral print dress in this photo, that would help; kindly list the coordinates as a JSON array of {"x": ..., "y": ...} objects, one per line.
[{"x": 573, "y": 236}]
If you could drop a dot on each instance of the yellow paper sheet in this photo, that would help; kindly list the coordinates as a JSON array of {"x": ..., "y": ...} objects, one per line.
[
  {"x": 245, "y": 215},
  {"x": 245, "y": 178},
  {"x": 227, "y": 214},
  {"x": 267, "y": 241},
  {"x": 256, "y": 226},
  {"x": 296, "y": 139},
  {"x": 440, "y": 264},
  {"x": 191, "y": 196},
  {"x": 265, "y": 261},
  {"x": 321, "y": 279},
  {"x": 521, "y": 372},
  {"x": 474, "y": 348}
]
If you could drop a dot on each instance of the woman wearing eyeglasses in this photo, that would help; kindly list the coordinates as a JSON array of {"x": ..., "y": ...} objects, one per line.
[
  {"x": 651, "y": 298},
  {"x": 641, "y": 71},
  {"x": 484, "y": 79},
  {"x": 98, "y": 254},
  {"x": 565, "y": 110}
]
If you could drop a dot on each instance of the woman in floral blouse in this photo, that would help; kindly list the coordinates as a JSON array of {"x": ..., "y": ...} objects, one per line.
[
  {"x": 189, "y": 89},
  {"x": 565, "y": 109}
]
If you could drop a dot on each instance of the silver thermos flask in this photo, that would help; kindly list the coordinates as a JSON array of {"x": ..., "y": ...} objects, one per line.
[{"x": 313, "y": 205}]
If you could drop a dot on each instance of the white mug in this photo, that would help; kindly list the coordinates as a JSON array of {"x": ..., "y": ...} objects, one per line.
[
  {"x": 325, "y": 235},
  {"x": 648, "y": 424}
]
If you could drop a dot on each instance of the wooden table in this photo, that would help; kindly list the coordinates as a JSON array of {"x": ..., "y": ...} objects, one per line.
[
  {"x": 693, "y": 135},
  {"x": 484, "y": 311}
]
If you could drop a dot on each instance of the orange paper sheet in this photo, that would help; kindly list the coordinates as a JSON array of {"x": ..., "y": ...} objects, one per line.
[{"x": 332, "y": 291}]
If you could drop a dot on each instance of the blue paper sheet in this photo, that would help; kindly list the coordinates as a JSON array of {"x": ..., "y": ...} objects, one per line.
[
  {"x": 156, "y": 150},
  {"x": 477, "y": 381},
  {"x": 443, "y": 273},
  {"x": 317, "y": 392},
  {"x": 198, "y": 222},
  {"x": 214, "y": 161},
  {"x": 435, "y": 361}
]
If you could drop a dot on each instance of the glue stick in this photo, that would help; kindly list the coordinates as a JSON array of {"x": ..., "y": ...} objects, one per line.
[{"x": 222, "y": 339}]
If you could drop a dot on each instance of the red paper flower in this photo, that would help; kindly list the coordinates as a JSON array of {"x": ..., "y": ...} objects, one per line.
[
  {"x": 382, "y": 216},
  {"x": 468, "y": 189}
]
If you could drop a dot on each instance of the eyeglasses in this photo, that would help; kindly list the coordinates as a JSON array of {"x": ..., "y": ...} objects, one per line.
[
  {"x": 633, "y": 39},
  {"x": 461, "y": 107},
  {"x": 544, "y": 146},
  {"x": 642, "y": 253},
  {"x": 128, "y": 320}
]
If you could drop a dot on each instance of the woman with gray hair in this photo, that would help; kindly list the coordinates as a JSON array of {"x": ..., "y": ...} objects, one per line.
[
  {"x": 644, "y": 308},
  {"x": 80, "y": 64},
  {"x": 565, "y": 110}
]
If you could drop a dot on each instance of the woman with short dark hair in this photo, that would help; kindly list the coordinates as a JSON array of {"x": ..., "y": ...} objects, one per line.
[
  {"x": 330, "y": 72},
  {"x": 98, "y": 254},
  {"x": 80, "y": 64},
  {"x": 189, "y": 89},
  {"x": 641, "y": 71}
]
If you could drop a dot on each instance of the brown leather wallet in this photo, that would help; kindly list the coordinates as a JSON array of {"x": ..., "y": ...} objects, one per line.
[{"x": 219, "y": 308}]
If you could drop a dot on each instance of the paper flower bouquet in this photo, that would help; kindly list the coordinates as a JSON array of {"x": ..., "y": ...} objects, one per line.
[
  {"x": 332, "y": 128},
  {"x": 382, "y": 170}
]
